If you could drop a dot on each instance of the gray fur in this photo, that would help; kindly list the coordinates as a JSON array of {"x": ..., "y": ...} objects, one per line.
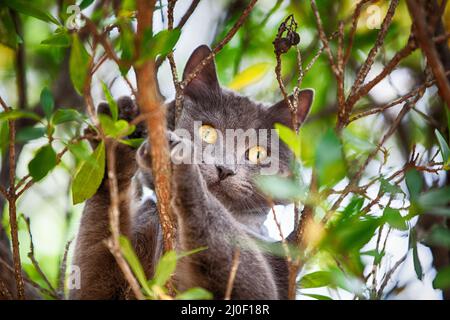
[{"x": 220, "y": 214}]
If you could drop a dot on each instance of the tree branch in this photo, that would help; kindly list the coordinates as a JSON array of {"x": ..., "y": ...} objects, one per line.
[
  {"x": 220, "y": 45},
  {"x": 428, "y": 48},
  {"x": 150, "y": 103}
]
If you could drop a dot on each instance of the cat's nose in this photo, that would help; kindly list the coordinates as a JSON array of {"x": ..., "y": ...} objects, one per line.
[{"x": 225, "y": 171}]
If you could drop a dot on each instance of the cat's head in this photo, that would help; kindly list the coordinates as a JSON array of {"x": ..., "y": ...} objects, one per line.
[{"x": 234, "y": 134}]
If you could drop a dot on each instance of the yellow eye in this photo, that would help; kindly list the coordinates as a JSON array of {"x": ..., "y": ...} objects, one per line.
[
  {"x": 208, "y": 134},
  {"x": 257, "y": 154}
]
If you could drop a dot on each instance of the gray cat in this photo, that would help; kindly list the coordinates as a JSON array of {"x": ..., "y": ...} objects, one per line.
[{"x": 216, "y": 203}]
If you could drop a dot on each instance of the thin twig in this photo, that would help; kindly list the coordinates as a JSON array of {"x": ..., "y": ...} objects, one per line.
[
  {"x": 352, "y": 184},
  {"x": 323, "y": 36},
  {"x": 389, "y": 274},
  {"x": 180, "y": 25},
  {"x": 12, "y": 198},
  {"x": 220, "y": 45},
  {"x": 374, "y": 51},
  {"x": 232, "y": 276},
  {"x": 114, "y": 215},
  {"x": 4, "y": 292},
  {"x": 395, "y": 102},
  {"x": 399, "y": 56},
  {"x": 4, "y": 105},
  {"x": 62, "y": 271},
  {"x": 429, "y": 49},
  {"x": 173, "y": 66},
  {"x": 35, "y": 263},
  {"x": 355, "y": 19},
  {"x": 29, "y": 281}
]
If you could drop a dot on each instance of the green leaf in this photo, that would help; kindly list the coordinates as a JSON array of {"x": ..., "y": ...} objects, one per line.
[
  {"x": 434, "y": 198},
  {"x": 16, "y": 114},
  {"x": 47, "y": 102},
  {"x": 190, "y": 252},
  {"x": 358, "y": 234},
  {"x": 442, "y": 280},
  {"x": 165, "y": 268},
  {"x": 390, "y": 188},
  {"x": 159, "y": 45},
  {"x": 130, "y": 5},
  {"x": 316, "y": 280},
  {"x": 354, "y": 207},
  {"x": 416, "y": 260},
  {"x": 126, "y": 46},
  {"x": 4, "y": 136},
  {"x": 378, "y": 256},
  {"x": 66, "y": 115},
  {"x": 351, "y": 234},
  {"x": 81, "y": 151},
  {"x": 111, "y": 102},
  {"x": 134, "y": 263},
  {"x": 280, "y": 188},
  {"x": 317, "y": 296},
  {"x": 85, "y": 3},
  {"x": 355, "y": 143},
  {"x": 59, "y": 39},
  {"x": 43, "y": 162},
  {"x": 31, "y": 8},
  {"x": 8, "y": 35},
  {"x": 89, "y": 176},
  {"x": 290, "y": 138},
  {"x": 330, "y": 164},
  {"x": 414, "y": 183},
  {"x": 439, "y": 236},
  {"x": 249, "y": 76},
  {"x": 78, "y": 64},
  {"x": 195, "y": 294},
  {"x": 115, "y": 129},
  {"x": 134, "y": 143},
  {"x": 443, "y": 146},
  {"x": 395, "y": 219},
  {"x": 30, "y": 133},
  {"x": 439, "y": 211}
]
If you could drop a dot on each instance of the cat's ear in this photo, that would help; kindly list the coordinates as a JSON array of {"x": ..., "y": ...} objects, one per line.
[
  {"x": 207, "y": 78},
  {"x": 281, "y": 113}
]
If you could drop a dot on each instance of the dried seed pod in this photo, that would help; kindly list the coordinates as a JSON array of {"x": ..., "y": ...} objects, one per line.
[
  {"x": 294, "y": 37},
  {"x": 282, "y": 45}
]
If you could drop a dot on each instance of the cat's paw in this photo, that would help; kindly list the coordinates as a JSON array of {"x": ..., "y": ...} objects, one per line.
[
  {"x": 127, "y": 110},
  {"x": 125, "y": 155},
  {"x": 180, "y": 151}
]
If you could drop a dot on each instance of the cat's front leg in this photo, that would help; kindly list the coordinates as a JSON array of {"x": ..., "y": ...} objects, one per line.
[
  {"x": 204, "y": 222},
  {"x": 100, "y": 276}
]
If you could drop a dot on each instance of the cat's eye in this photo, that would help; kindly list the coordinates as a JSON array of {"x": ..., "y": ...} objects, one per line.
[
  {"x": 257, "y": 154},
  {"x": 208, "y": 133}
]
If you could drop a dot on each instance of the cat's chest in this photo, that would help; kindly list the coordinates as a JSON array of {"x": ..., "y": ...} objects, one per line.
[{"x": 254, "y": 223}]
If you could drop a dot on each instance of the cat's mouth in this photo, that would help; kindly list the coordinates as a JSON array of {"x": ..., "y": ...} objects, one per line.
[
  {"x": 219, "y": 187},
  {"x": 229, "y": 189},
  {"x": 215, "y": 184}
]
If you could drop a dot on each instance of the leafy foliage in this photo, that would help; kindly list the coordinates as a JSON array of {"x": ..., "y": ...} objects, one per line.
[
  {"x": 89, "y": 176},
  {"x": 79, "y": 64},
  {"x": 42, "y": 163}
]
